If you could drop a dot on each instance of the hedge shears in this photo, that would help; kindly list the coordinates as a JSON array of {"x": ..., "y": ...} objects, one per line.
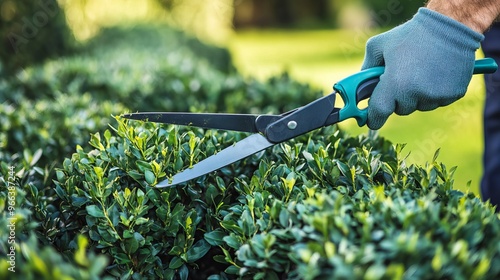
[{"x": 269, "y": 130}]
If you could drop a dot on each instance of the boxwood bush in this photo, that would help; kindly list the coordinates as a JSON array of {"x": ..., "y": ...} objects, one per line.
[
  {"x": 320, "y": 206},
  {"x": 324, "y": 205},
  {"x": 55, "y": 106},
  {"x": 25, "y": 254},
  {"x": 52, "y": 126}
]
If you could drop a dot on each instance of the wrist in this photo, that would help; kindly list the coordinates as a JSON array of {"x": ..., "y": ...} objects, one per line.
[{"x": 476, "y": 14}]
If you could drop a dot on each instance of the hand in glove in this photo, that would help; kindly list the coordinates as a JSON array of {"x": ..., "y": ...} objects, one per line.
[{"x": 428, "y": 61}]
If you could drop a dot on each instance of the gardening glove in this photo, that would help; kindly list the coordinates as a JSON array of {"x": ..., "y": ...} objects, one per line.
[{"x": 429, "y": 62}]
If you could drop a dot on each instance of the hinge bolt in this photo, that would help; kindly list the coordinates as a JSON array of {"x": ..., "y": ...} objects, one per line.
[{"x": 292, "y": 125}]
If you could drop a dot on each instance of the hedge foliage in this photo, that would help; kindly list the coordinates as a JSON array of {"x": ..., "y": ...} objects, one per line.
[
  {"x": 324, "y": 205},
  {"x": 25, "y": 254},
  {"x": 57, "y": 105},
  {"x": 320, "y": 206}
]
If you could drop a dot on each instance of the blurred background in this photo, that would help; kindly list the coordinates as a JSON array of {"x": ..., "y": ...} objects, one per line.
[{"x": 314, "y": 42}]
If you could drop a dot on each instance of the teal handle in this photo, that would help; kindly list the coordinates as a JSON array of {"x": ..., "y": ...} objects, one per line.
[
  {"x": 485, "y": 66},
  {"x": 349, "y": 88}
]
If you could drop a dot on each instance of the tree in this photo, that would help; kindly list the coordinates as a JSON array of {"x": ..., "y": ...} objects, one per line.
[
  {"x": 386, "y": 13},
  {"x": 31, "y": 32},
  {"x": 283, "y": 13}
]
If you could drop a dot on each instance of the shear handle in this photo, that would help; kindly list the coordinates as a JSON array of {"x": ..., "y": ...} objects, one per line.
[{"x": 360, "y": 86}]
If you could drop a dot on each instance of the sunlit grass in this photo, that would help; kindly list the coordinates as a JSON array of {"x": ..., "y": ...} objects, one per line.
[
  {"x": 317, "y": 57},
  {"x": 201, "y": 18},
  {"x": 323, "y": 57}
]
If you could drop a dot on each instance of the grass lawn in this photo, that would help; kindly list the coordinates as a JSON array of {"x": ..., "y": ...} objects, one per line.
[{"x": 323, "y": 57}]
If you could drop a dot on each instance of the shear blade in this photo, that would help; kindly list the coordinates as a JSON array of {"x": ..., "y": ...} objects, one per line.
[
  {"x": 236, "y": 122},
  {"x": 242, "y": 149}
]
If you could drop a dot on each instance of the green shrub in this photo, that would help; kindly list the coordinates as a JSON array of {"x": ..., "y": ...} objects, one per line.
[
  {"x": 24, "y": 254},
  {"x": 55, "y": 106},
  {"x": 30, "y": 32},
  {"x": 320, "y": 206},
  {"x": 162, "y": 38},
  {"x": 52, "y": 126}
]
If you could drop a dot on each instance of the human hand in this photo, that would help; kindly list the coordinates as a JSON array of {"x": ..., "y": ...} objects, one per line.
[{"x": 429, "y": 62}]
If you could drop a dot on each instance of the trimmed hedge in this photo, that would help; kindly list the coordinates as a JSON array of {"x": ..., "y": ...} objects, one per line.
[
  {"x": 52, "y": 126},
  {"x": 320, "y": 206},
  {"x": 25, "y": 254}
]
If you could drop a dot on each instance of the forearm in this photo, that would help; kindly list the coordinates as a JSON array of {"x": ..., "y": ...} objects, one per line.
[{"x": 476, "y": 14}]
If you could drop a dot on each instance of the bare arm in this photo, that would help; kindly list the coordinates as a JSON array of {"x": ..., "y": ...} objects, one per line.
[{"x": 476, "y": 14}]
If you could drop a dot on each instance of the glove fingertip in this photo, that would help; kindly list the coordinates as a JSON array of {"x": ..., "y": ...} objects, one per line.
[
  {"x": 375, "y": 123},
  {"x": 373, "y": 55},
  {"x": 380, "y": 107},
  {"x": 377, "y": 117}
]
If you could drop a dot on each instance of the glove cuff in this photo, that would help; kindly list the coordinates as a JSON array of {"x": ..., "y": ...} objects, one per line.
[{"x": 449, "y": 30}]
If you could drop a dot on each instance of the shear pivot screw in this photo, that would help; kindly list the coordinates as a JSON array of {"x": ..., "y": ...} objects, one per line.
[{"x": 292, "y": 124}]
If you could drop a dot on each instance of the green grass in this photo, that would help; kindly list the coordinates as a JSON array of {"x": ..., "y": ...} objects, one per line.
[{"x": 323, "y": 57}]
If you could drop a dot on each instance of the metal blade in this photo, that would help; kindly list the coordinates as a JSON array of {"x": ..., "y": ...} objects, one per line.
[
  {"x": 242, "y": 149},
  {"x": 237, "y": 122}
]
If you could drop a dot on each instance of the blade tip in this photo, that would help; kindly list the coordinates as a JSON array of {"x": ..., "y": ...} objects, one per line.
[
  {"x": 163, "y": 185},
  {"x": 167, "y": 183}
]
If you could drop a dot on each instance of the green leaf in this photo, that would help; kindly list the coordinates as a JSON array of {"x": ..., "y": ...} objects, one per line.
[
  {"x": 220, "y": 259},
  {"x": 197, "y": 251},
  {"x": 437, "y": 260},
  {"x": 95, "y": 141},
  {"x": 150, "y": 177},
  {"x": 247, "y": 223},
  {"x": 80, "y": 254},
  {"x": 175, "y": 251},
  {"x": 99, "y": 172},
  {"x": 36, "y": 157},
  {"x": 215, "y": 237},
  {"x": 60, "y": 176},
  {"x": 121, "y": 258},
  {"x": 143, "y": 166},
  {"x": 94, "y": 211},
  {"x": 211, "y": 193},
  {"x": 346, "y": 171},
  {"x": 184, "y": 273},
  {"x": 276, "y": 209},
  {"x": 107, "y": 135},
  {"x": 135, "y": 175},
  {"x": 308, "y": 156},
  {"x": 232, "y": 270},
  {"x": 375, "y": 272},
  {"x": 131, "y": 245},
  {"x": 175, "y": 263},
  {"x": 436, "y": 155},
  {"x": 232, "y": 241},
  {"x": 141, "y": 220},
  {"x": 284, "y": 218},
  {"x": 127, "y": 234},
  {"x": 67, "y": 164},
  {"x": 232, "y": 226}
]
